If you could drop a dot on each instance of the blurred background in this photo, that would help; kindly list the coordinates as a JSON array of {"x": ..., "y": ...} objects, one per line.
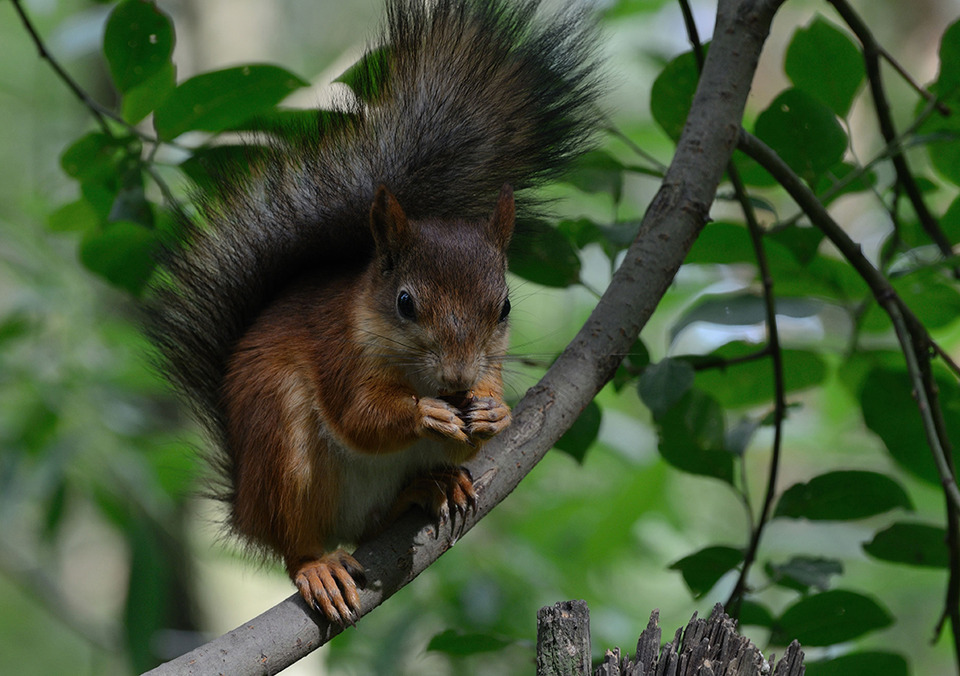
[{"x": 103, "y": 537}]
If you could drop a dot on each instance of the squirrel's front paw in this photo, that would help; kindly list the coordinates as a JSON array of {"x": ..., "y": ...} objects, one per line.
[
  {"x": 438, "y": 418},
  {"x": 485, "y": 417}
]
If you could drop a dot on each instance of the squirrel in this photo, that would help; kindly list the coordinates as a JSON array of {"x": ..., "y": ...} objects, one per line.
[{"x": 336, "y": 310}]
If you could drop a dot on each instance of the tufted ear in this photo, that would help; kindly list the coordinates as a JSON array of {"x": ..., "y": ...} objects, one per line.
[
  {"x": 500, "y": 227},
  {"x": 389, "y": 225}
]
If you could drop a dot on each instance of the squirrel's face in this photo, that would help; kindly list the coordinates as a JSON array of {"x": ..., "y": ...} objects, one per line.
[
  {"x": 446, "y": 302},
  {"x": 442, "y": 299}
]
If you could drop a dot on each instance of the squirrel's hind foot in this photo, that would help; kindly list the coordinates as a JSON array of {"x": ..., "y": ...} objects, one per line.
[
  {"x": 329, "y": 584},
  {"x": 445, "y": 492}
]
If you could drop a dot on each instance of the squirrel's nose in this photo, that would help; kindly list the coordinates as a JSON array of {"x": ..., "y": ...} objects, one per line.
[{"x": 457, "y": 377}]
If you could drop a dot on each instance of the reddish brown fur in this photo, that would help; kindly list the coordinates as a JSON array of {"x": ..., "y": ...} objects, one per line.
[{"x": 331, "y": 373}]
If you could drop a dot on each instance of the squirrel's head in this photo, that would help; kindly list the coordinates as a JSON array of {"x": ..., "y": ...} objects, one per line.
[{"x": 440, "y": 294}]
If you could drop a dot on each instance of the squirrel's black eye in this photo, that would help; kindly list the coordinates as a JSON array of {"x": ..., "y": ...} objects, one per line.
[
  {"x": 505, "y": 310},
  {"x": 405, "y": 306}
]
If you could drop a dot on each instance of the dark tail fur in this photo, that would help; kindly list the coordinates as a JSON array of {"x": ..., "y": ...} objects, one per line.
[{"x": 479, "y": 93}]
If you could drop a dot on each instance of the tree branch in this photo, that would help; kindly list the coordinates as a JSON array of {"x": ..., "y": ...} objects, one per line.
[
  {"x": 773, "y": 349},
  {"x": 913, "y": 337},
  {"x": 289, "y": 631},
  {"x": 871, "y": 56}
]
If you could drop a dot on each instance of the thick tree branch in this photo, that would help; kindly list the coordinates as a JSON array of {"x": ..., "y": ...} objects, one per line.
[{"x": 289, "y": 631}]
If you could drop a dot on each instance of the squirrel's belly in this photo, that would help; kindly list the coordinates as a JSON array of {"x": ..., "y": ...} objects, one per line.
[{"x": 370, "y": 484}]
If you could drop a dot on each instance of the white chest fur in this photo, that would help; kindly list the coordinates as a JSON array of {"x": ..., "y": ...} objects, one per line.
[{"x": 370, "y": 483}]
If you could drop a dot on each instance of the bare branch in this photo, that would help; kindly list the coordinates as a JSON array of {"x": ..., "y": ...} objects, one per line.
[{"x": 871, "y": 55}]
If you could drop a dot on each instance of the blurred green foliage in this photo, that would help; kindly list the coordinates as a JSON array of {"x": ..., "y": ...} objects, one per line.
[{"x": 98, "y": 476}]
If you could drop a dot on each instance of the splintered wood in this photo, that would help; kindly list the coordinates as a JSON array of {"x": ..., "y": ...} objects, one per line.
[{"x": 705, "y": 647}]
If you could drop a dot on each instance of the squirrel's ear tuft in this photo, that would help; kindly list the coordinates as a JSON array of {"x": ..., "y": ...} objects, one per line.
[
  {"x": 391, "y": 230},
  {"x": 500, "y": 228}
]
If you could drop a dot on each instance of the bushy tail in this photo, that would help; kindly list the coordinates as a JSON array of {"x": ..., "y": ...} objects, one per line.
[{"x": 478, "y": 93}]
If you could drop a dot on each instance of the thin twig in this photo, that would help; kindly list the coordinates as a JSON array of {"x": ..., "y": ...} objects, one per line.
[
  {"x": 712, "y": 362},
  {"x": 882, "y": 291},
  {"x": 871, "y": 57},
  {"x": 940, "y": 106},
  {"x": 98, "y": 111},
  {"x": 659, "y": 167},
  {"x": 913, "y": 338},
  {"x": 732, "y": 605},
  {"x": 779, "y": 389},
  {"x": 887, "y": 152}
]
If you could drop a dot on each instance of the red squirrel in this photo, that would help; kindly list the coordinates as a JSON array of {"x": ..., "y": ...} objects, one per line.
[{"x": 336, "y": 312}]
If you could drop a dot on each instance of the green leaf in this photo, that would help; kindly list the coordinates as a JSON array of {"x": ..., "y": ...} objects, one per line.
[
  {"x": 663, "y": 384},
  {"x": 123, "y": 254},
  {"x": 369, "y": 76},
  {"x": 751, "y": 382},
  {"x": 37, "y": 423},
  {"x": 144, "y": 98},
  {"x": 14, "y": 326},
  {"x": 221, "y": 99},
  {"x": 692, "y": 437},
  {"x": 703, "y": 569},
  {"x": 803, "y": 572},
  {"x": 755, "y": 614},
  {"x": 802, "y": 242},
  {"x": 945, "y": 152},
  {"x": 138, "y": 42},
  {"x": 916, "y": 544},
  {"x": 576, "y": 441},
  {"x": 859, "y": 664},
  {"x": 91, "y": 158},
  {"x": 891, "y": 413},
  {"x": 950, "y": 221},
  {"x": 948, "y": 79},
  {"x": 461, "y": 644},
  {"x": 597, "y": 171},
  {"x": 672, "y": 94},
  {"x": 824, "y": 62},
  {"x": 741, "y": 309},
  {"x": 612, "y": 238},
  {"x": 633, "y": 363},
  {"x": 932, "y": 296},
  {"x": 751, "y": 173},
  {"x": 829, "y": 618},
  {"x": 722, "y": 243},
  {"x": 630, "y": 8},
  {"x": 842, "y": 495},
  {"x": 78, "y": 216},
  {"x": 541, "y": 254},
  {"x": 942, "y": 135},
  {"x": 845, "y": 178},
  {"x": 148, "y": 604},
  {"x": 803, "y": 132},
  {"x": 54, "y": 511}
]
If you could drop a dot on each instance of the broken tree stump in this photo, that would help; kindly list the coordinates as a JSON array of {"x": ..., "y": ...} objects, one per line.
[
  {"x": 705, "y": 647},
  {"x": 563, "y": 639}
]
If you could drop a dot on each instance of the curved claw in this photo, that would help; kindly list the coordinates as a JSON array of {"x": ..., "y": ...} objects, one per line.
[
  {"x": 447, "y": 493},
  {"x": 329, "y": 584}
]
